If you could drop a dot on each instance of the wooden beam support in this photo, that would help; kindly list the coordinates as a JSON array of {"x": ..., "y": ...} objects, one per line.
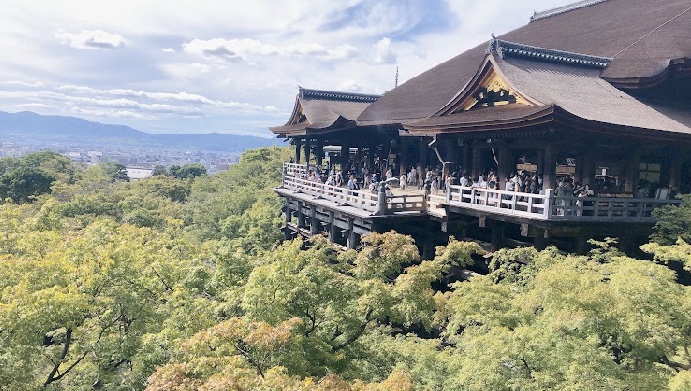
[{"x": 548, "y": 172}]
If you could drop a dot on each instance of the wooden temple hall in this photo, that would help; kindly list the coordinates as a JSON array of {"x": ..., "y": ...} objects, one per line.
[{"x": 587, "y": 106}]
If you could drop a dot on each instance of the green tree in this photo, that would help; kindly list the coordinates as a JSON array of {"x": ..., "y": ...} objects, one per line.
[
  {"x": 187, "y": 171},
  {"x": 115, "y": 171},
  {"x": 24, "y": 184}
]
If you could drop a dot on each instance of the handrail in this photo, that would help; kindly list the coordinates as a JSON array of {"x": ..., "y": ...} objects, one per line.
[
  {"x": 509, "y": 203},
  {"x": 361, "y": 199},
  {"x": 550, "y": 207}
]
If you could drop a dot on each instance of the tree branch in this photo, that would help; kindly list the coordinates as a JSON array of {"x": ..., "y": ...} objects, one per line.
[{"x": 357, "y": 334}]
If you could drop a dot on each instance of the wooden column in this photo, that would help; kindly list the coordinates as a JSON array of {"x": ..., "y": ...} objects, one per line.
[
  {"x": 541, "y": 241},
  {"x": 451, "y": 152},
  {"x": 333, "y": 231},
  {"x": 633, "y": 172},
  {"x": 589, "y": 168},
  {"x": 308, "y": 150},
  {"x": 353, "y": 239},
  {"x": 427, "y": 240},
  {"x": 319, "y": 151},
  {"x": 370, "y": 159},
  {"x": 476, "y": 169},
  {"x": 314, "y": 222},
  {"x": 287, "y": 211},
  {"x": 424, "y": 149},
  {"x": 466, "y": 157},
  {"x": 540, "y": 162},
  {"x": 301, "y": 215},
  {"x": 403, "y": 162},
  {"x": 506, "y": 166},
  {"x": 498, "y": 235},
  {"x": 549, "y": 177},
  {"x": 297, "y": 150},
  {"x": 345, "y": 154},
  {"x": 676, "y": 160}
]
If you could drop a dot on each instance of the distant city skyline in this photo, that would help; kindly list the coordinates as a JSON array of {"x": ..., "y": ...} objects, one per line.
[{"x": 195, "y": 67}]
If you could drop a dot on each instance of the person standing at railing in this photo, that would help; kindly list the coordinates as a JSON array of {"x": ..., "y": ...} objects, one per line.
[{"x": 353, "y": 185}]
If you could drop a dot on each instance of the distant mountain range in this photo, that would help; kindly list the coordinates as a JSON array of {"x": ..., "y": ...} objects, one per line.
[{"x": 27, "y": 125}]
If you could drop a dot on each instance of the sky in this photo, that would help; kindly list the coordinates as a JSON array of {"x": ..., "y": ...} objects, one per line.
[{"x": 208, "y": 66}]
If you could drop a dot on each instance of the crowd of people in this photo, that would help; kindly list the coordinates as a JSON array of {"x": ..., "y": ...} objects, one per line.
[{"x": 364, "y": 175}]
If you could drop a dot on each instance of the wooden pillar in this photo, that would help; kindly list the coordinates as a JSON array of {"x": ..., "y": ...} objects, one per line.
[
  {"x": 424, "y": 149},
  {"x": 297, "y": 150},
  {"x": 581, "y": 245},
  {"x": 506, "y": 166},
  {"x": 314, "y": 223},
  {"x": 353, "y": 239},
  {"x": 403, "y": 161},
  {"x": 301, "y": 215},
  {"x": 498, "y": 235},
  {"x": 451, "y": 152},
  {"x": 370, "y": 159},
  {"x": 540, "y": 162},
  {"x": 589, "y": 168},
  {"x": 541, "y": 242},
  {"x": 333, "y": 232},
  {"x": 428, "y": 247},
  {"x": 308, "y": 149},
  {"x": 345, "y": 154},
  {"x": 476, "y": 169},
  {"x": 549, "y": 177},
  {"x": 676, "y": 160},
  {"x": 466, "y": 157},
  {"x": 632, "y": 171},
  {"x": 319, "y": 152},
  {"x": 287, "y": 211}
]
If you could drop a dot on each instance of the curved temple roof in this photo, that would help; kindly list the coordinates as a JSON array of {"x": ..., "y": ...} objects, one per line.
[
  {"x": 642, "y": 38},
  {"x": 323, "y": 110}
]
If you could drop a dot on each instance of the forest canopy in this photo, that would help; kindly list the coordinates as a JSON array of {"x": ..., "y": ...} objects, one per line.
[{"x": 182, "y": 281}]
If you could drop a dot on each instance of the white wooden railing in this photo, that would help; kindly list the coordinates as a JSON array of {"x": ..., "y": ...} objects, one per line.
[
  {"x": 508, "y": 203},
  {"x": 550, "y": 207},
  {"x": 360, "y": 199},
  {"x": 534, "y": 206}
]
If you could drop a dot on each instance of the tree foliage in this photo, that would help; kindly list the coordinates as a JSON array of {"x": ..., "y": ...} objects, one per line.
[{"x": 184, "y": 283}]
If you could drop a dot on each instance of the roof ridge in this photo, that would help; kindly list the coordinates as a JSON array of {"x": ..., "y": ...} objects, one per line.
[
  {"x": 566, "y": 8},
  {"x": 338, "y": 95},
  {"x": 506, "y": 48}
]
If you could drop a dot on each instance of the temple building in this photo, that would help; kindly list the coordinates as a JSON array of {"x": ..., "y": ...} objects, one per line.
[{"x": 595, "y": 93}]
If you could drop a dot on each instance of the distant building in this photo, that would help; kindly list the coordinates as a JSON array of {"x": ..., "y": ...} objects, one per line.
[{"x": 135, "y": 173}]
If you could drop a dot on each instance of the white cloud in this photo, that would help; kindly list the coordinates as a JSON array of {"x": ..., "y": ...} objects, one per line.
[
  {"x": 91, "y": 39},
  {"x": 175, "y": 69},
  {"x": 350, "y": 85},
  {"x": 20, "y": 83},
  {"x": 240, "y": 50},
  {"x": 383, "y": 53},
  {"x": 183, "y": 96}
]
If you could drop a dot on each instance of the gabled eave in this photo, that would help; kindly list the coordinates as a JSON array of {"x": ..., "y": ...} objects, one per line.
[{"x": 487, "y": 69}]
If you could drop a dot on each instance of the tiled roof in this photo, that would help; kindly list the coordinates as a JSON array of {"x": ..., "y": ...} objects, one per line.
[
  {"x": 641, "y": 36},
  {"x": 505, "y": 48},
  {"x": 324, "y": 110},
  {"x": 561, "y": 10},
  {"x": 337, "y": 96}
]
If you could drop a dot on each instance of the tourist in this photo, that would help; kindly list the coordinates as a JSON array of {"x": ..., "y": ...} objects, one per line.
[
  {"x": 463, "y": 180},
  {"x": 352, "y": 185}
]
